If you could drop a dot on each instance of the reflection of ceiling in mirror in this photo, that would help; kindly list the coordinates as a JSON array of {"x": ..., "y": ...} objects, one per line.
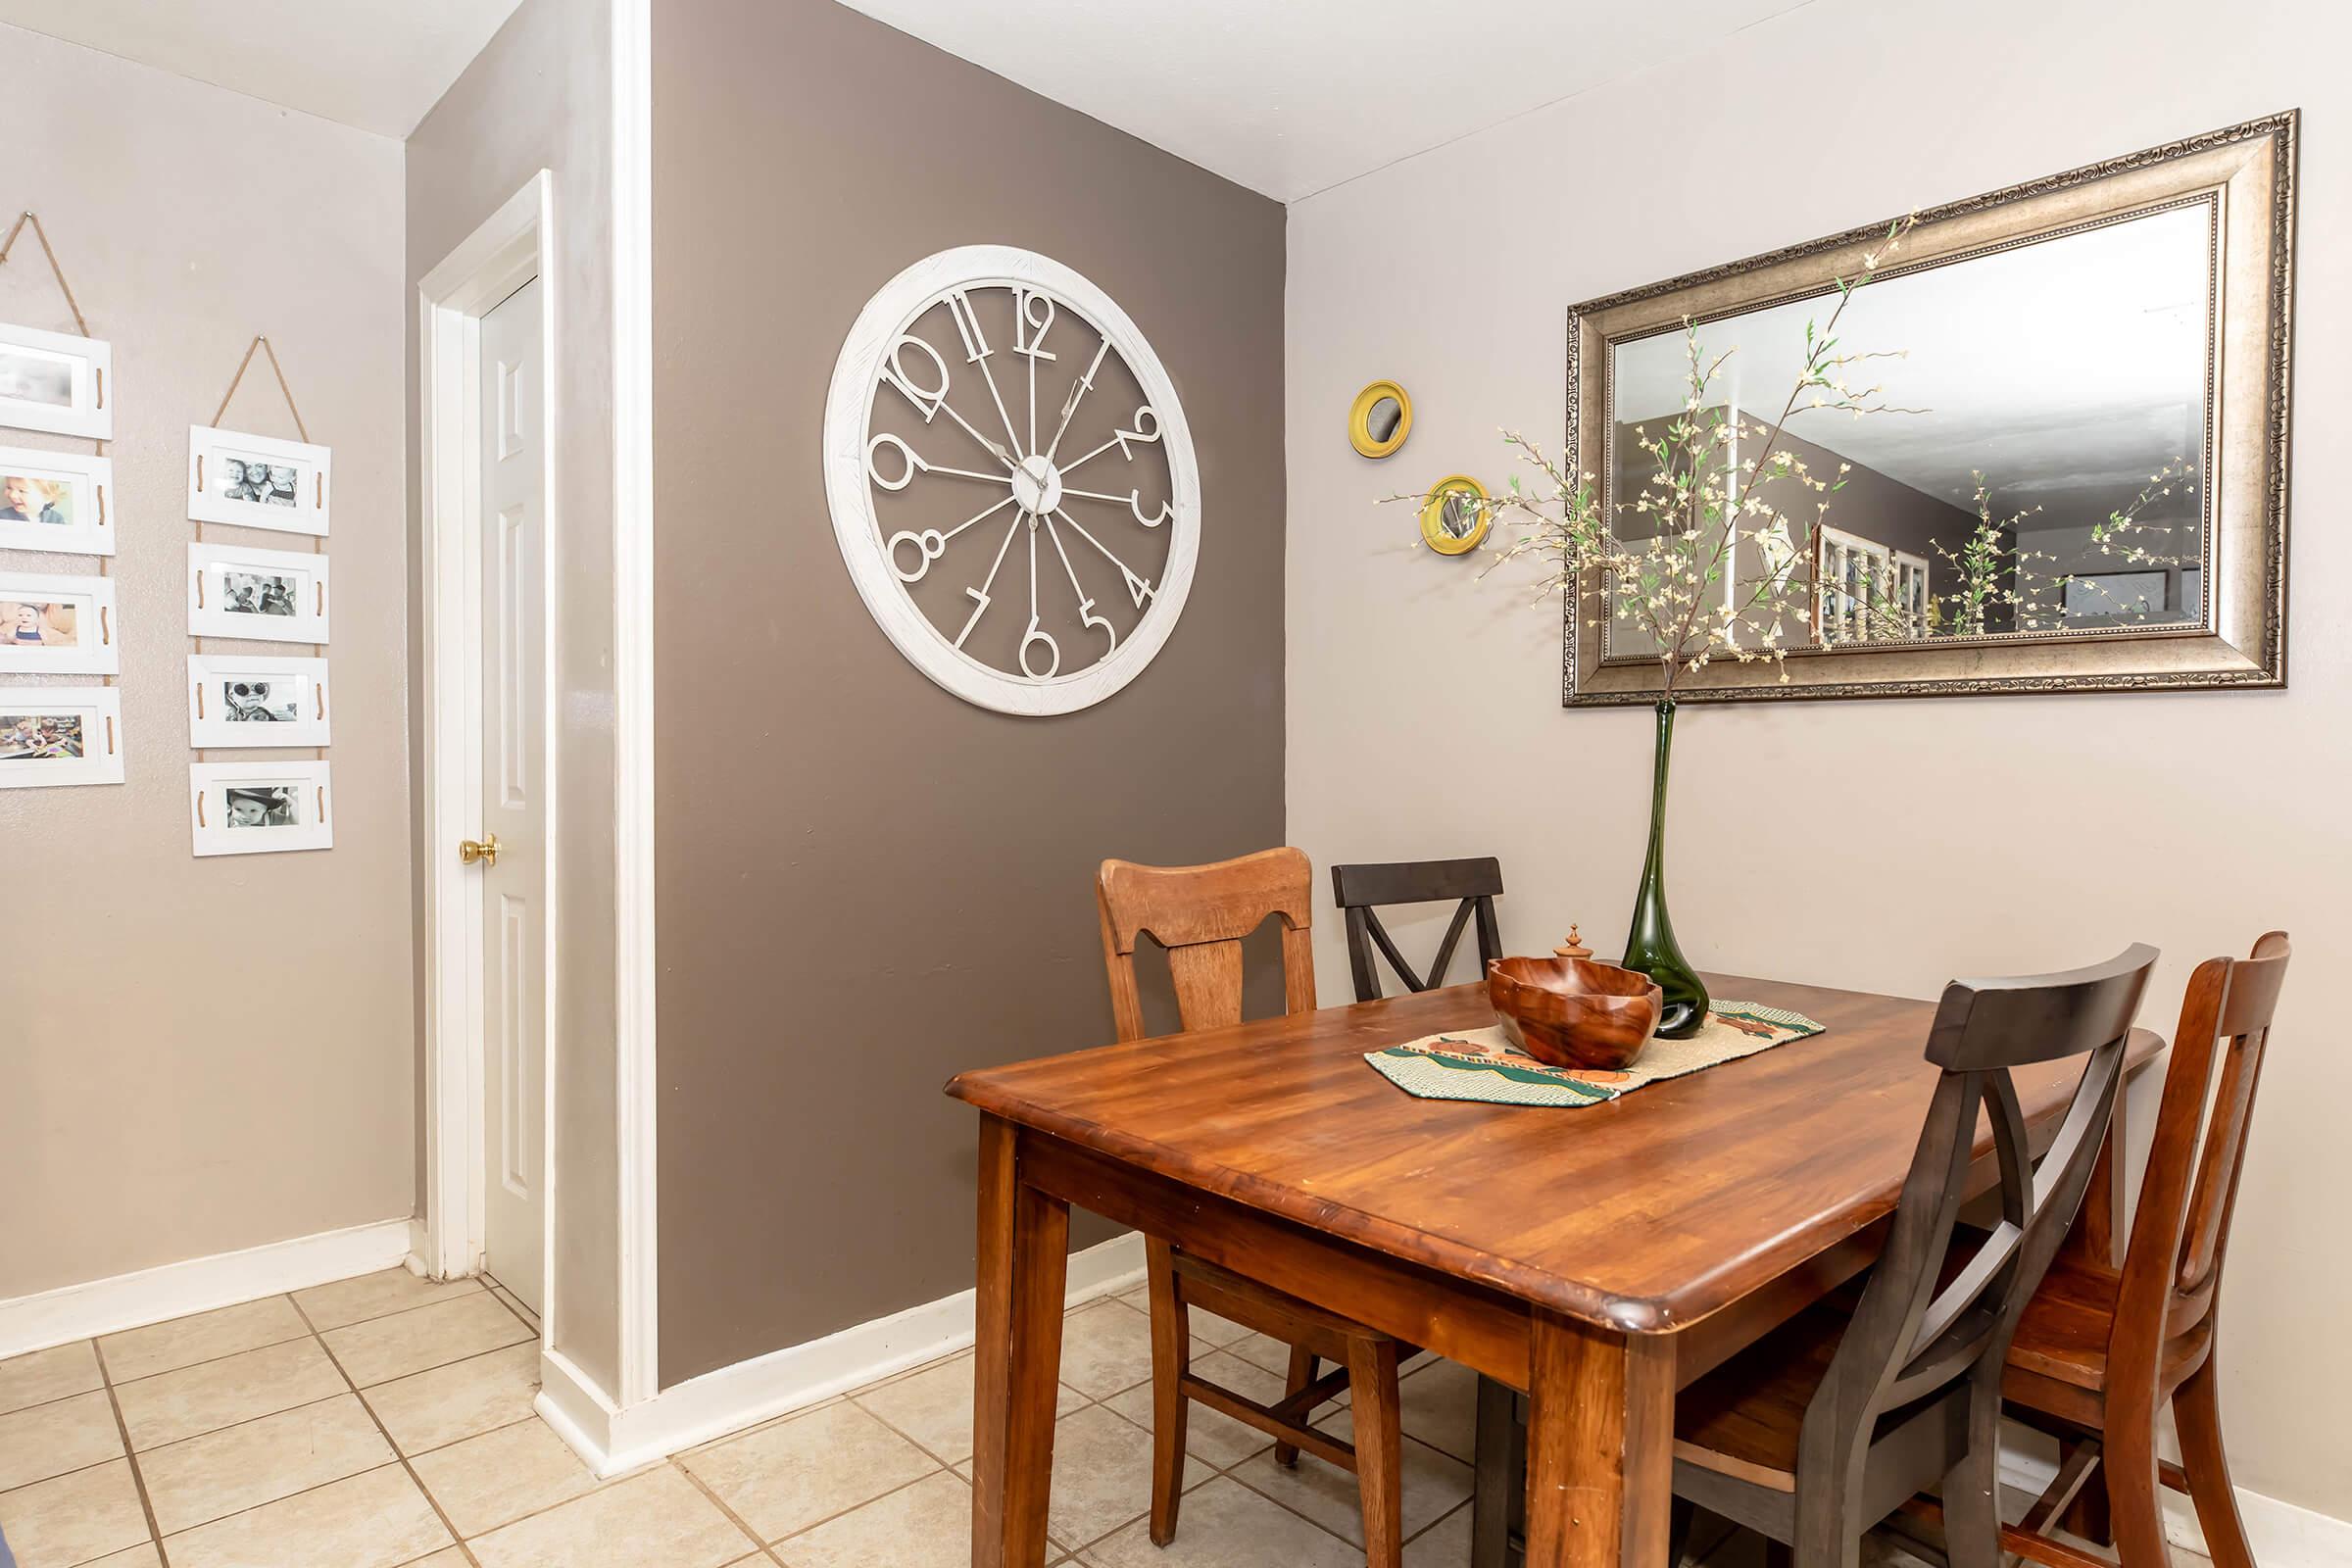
[{"x": 2050, "y": 366}]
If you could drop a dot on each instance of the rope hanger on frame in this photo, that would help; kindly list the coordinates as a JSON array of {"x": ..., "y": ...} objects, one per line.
[
  {"x": 261, "y": 342},
  {"x": 33, "y": 220}
]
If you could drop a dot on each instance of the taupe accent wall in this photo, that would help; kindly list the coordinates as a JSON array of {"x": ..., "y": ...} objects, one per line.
[
  {"x": 865, "y": 883},
  {"x": 540, "y": 96},
  {"x": 199, "y": 1057}
]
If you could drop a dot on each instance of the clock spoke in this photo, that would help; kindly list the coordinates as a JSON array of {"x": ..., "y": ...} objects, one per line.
[
  {"x": 979, "y": 595},
  {"x": 1029, "y": 341},
  {"x": 913, "y": 462},
  {"x": 1132, "y": 500},
  {"x": 1034, "y": 635},
  {"x": 930, "y": 544},
  {"x": 1137, "y": 588},
  {"x": 1086, "y": 606},
  {"x": 1121, "y": 438}
]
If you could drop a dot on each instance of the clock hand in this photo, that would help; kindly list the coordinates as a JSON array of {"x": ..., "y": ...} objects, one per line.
[{"x": 1069, "y": 406}]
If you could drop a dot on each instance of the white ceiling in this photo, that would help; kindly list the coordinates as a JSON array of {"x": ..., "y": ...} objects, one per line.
[
  {"x": 375, "y": 63},
  {"x": 1290, "y": 97}
]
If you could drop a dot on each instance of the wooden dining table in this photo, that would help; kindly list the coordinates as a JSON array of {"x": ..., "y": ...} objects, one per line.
[{"x": 1595, "y": 1259}]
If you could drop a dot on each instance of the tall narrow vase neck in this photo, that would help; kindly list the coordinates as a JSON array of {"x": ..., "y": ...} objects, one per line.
[{"x": 1657, "y": 788}]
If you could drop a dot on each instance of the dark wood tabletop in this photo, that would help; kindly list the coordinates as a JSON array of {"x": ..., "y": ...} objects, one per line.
[{"x": 1645, "y": 1214}]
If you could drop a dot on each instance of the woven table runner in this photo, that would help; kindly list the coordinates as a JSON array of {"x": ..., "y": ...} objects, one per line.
[{"x": 1481, "y": 1064}]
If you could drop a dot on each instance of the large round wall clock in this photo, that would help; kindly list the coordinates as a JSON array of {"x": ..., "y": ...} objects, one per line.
[{"x": 1012, "y": 480}]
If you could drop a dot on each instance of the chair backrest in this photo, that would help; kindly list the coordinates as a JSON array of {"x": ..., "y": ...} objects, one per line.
[
  {"x": 1926, "y": 1319},
  {"x": 1362, "y": 889},
  {"x": 1199, "y": 913},
  {"x": 2181, "y": 1231}
]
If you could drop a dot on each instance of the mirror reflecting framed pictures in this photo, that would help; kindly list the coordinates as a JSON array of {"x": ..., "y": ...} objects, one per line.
[
  {"x": 2074, "y": 478},
  {"x": 1380, "y": 420}
]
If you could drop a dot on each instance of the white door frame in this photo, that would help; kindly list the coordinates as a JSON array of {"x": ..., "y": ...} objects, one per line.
[{"x": 510, "y": 248}]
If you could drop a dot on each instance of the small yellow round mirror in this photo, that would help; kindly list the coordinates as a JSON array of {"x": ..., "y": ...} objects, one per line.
[
  {"x": 1455, "y": 518},
  {"x": 1381, "y": 419}
]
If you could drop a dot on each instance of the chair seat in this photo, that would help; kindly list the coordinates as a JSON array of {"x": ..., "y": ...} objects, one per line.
[
  {"x": 2064, "y": 1332},
  {"x": 1742, "y": 1419}
]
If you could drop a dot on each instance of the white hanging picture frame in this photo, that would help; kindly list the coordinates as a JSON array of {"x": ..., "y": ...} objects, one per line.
[
  {"x": 278, "y": 596},
  {"x": 52, "y": 735},
  {"x": 260, "y": 808},
  {"x": 57, "y": 625},
  {"x": 57, "y": 501},
  {"x": 56, "y": 383},
  {"x": 257, "y": 700},
  {"x": 257, "y": 481}
]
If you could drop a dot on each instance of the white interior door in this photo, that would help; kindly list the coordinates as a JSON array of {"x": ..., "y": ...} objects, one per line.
[{"x": 513, "y": 704}]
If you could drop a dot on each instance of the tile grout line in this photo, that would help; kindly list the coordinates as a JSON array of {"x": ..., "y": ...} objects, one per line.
[
  {"x": 408, "y": 1469},
  {"x": 138, "y": 1479},
  {"x": 759, "y": 1546},
  {"x": 308, "y": 1333}
]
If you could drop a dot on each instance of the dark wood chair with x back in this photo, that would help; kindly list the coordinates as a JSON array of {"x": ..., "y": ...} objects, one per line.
[
  {"x": 1363, "y": 890},
  {"x": 1833, "y": 1420},
  {"x": 1199, "y": 913},
  {"x": 2099, "y": 1352}
]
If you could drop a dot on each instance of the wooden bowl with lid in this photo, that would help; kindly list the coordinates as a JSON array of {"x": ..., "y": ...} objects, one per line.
[{"x": 1574, "y": 1013}]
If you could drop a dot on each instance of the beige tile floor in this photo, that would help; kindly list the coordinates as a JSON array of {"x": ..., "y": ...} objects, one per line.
[{"x": 386, "y": 1421}]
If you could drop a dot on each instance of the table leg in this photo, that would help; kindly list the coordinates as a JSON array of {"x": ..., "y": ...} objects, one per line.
[
  {"x": 1599, "y": 1446},
  {"x": 1024, "y": 1259}
]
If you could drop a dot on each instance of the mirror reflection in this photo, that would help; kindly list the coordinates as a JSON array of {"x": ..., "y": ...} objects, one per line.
[
  {"x": 1382, "y": 418},
  {"x": 2033, "y": 464}
]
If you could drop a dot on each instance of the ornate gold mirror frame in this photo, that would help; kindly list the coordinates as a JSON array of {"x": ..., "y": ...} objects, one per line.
[{"x": 2245, "y": 176}]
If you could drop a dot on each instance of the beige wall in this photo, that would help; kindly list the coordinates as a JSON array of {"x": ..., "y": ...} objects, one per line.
[
  {"x": 540, "y": 97},
  {"x": 203, "y": 1056},
  {"x": 865, "y": 883},
  {"x": 1411, "y": 682}
]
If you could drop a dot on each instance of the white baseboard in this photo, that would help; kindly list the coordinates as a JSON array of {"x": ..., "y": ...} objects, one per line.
[
  {"x": 612, "y": 1439},
  {"x": 2281, "y": 1535},
  {"x": 199, "y": 1285}
]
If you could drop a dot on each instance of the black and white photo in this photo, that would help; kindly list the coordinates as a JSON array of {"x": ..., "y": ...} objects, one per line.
[
  {"x": 257, "y": 481},
  {"x": 256, "y": 700},
  {"x": 260, "y": 808},
  {"x": 278, "y": 596}
]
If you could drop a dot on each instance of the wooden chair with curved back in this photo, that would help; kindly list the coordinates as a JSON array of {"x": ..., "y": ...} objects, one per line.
[
  {"x": 2099, "y": 1352},
  {"x": 1199, "y": 913}
]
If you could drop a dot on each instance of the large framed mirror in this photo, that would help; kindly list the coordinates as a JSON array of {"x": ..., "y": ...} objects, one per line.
[{"x": 2076, "y": 481}]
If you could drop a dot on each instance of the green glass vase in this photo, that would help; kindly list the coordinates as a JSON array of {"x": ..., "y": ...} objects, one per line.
[{"x": 1649, "y": 946}]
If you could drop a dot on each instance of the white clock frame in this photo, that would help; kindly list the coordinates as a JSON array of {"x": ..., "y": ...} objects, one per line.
[{"x": 858, "y": 376}]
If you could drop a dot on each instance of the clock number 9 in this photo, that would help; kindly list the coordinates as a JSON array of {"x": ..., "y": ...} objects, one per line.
[{"x": 914, "y": 463}]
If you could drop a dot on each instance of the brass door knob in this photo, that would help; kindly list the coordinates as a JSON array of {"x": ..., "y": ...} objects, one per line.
[{"x": 484, "y": 850}]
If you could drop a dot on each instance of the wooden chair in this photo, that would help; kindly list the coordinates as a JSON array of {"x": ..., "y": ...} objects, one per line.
[
  {"x": 1362, "y": 890},
  {"x": 1832, "y": 1421},
  {"x": 1200, "y": 915},
  {"x": 2100, "y": 1352}
]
